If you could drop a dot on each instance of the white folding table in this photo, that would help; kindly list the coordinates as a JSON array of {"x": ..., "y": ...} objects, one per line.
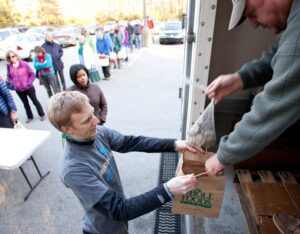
[{"x": 17, "y": 146}]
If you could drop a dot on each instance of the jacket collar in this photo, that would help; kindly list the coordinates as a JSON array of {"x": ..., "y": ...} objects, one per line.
[{"x": 79, "y": 142}]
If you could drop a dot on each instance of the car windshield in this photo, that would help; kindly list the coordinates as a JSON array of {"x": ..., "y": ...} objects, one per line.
[
  {"x": 92, "y": 25},
  {"x": 172, "y": 26},
  {"x": 3, "y": 35},
  {"x": 36, "y": 30},
  {"x": 109, "y": 23},
  {"x": 65, "y": 31},
  {"x": 15, "y": 38}
]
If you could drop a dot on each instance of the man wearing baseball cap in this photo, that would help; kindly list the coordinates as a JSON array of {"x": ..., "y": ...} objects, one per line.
[
  {"x": 277, "y": 107},
  {"x": 237, "y": 14}
]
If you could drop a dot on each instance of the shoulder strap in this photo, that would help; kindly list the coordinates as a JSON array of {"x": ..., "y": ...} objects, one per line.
[{"x": 8, "y": 70}]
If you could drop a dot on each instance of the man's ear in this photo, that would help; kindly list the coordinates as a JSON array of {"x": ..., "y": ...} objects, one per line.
[{"x": 66, "y": 130}]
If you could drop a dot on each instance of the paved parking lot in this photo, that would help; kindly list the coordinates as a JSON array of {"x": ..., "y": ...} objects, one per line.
[{"x": 142, "y": 99}]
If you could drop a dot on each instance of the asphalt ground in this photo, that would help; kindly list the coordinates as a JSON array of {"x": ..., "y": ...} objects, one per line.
[{"x": 142, "y": 100}]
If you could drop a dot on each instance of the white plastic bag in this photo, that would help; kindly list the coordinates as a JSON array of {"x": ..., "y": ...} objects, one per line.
[
  {"x": 122, "y": 53},
  {"x": 113, "y": 56},
  {"x": 203, "y": 131},
  {"x": 18, "y": 125},
  {"x": 103, "y": 60}
]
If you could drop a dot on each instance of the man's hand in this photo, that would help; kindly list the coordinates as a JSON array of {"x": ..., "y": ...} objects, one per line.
[
  {"x": 180, "y": 185},
  {"x": 13, "y": 116},
  {"x": 181, "y": 145},
  {"x": 213, "y": 165},
  {"x": 223, "y": 86}
]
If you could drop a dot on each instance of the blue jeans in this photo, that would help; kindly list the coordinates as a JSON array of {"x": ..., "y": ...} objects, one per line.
[
  {"x": 81, "y": 59},
  {"x": 137, "y": 41}
]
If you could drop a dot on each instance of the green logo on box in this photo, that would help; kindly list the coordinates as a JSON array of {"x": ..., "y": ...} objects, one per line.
[{"x": 197, "y": 198}]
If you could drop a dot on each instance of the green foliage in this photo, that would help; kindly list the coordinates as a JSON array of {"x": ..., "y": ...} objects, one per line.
[
  {"x": 52, "y": 12},
  {"x": 49, "y": 12},
  {"x": 7, "y": 16}
]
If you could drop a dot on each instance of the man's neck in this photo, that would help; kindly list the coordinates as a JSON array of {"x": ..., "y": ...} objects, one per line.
[{"x": 78, "y": 141}]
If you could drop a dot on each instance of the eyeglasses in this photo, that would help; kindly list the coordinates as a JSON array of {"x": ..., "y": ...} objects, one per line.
[{"x": 13, "y": 56}]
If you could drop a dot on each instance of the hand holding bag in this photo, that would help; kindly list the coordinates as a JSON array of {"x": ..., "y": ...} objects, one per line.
[
  {"x": 18, "y": 125},
  {"x": 113, "y": 57},
  {"x": 205, "y": 200},
  {"x": 94, "y": 75},
  {"x": 122, "y": 53}
]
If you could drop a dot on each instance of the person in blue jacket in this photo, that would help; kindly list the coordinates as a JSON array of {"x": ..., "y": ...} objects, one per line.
[
  {"x": 104, "y": 47},
  {"x": 43, "y": 65},
  {"x": 8, "y": 109},
  {"x": 56, "y": 52},
  {"x": 89, "y": 169}
]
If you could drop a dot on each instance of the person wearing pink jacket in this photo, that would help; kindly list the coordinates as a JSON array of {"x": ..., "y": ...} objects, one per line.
[{"x": 21, "y": 76}]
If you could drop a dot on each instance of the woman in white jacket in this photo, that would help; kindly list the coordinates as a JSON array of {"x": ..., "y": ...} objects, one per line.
[{"x": 86, "y": 55}]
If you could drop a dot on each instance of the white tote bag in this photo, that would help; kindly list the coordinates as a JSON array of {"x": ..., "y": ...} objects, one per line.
[
  {"x": 103, "y": 60},
  {"x": 113, "y": 56},
  {"x": 122, "y": 53}
]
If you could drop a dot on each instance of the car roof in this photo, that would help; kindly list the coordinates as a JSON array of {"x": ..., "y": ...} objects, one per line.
[
  {"x": 22, "y": 35},
  {"x": 5, "y": 32},
  {"x": 8, "y": 29}
]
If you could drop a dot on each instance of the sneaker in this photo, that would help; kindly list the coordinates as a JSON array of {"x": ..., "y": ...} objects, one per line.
[
  {"x": 287, "y": 224},
  {"x": 42, "y": 118},
  {"x": 29, "y": 120}
]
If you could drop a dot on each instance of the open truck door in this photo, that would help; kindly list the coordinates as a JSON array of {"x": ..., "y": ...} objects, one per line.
[{"x": 211, "y": 50}]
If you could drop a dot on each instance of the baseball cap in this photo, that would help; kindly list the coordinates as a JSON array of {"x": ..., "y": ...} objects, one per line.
[{"x": 237, "y": 16}]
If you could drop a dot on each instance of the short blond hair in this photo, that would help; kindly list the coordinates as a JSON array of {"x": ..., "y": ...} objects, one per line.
[
  {"x": 8, "y": 54},
  {"x": 63, "y": 105}
]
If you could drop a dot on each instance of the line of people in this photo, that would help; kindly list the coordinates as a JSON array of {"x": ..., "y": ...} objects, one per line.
[
  {"x": 21, "y": 77},
  {"x": 110, "y": 49}
]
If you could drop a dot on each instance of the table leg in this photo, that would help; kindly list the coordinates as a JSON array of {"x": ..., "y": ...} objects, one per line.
[
  {"x": 27, "y": 180},
  {"x": 34, "y": 163}
]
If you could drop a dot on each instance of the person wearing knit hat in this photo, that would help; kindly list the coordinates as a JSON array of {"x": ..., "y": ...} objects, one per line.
[{"x": 79, "y": 75}]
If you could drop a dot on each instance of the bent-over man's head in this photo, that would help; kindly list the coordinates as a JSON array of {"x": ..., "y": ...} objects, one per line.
[
  {"x": 270, "y": 14},
  {"x": 71, "y": 113}
]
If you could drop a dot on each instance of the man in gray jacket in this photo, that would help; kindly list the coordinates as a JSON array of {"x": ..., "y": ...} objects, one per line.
[
  {"x": 88, "y": 166},
  {"x": 277, "y": 107}
]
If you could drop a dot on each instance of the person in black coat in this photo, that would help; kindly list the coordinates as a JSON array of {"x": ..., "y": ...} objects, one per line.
[{"x": 56, "y": 52}]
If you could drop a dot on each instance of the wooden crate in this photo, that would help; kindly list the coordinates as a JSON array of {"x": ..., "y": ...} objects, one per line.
[{"x": 263, "y": 193}]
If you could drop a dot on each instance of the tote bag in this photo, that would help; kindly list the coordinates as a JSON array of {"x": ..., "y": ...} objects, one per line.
[
  {"x": 113, "y": 57},
  {"x": 94, "y": 75},
  {"x": 205, "y": 200},
  {"x": 103, "y": 61}
]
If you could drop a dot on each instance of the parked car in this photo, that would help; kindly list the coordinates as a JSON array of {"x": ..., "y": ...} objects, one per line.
[
  {"x": 78, "y": 27},
  {"x": 21, "y": 28},
  {"x": 23, "y": 44},
  {"x": 172, "y": 33},
  {"x": 5, "y": 32},
  {"x": 67, "y": 36},
  {"x": 42, "y": 30},
  {"x": 92, "y": 28}
]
